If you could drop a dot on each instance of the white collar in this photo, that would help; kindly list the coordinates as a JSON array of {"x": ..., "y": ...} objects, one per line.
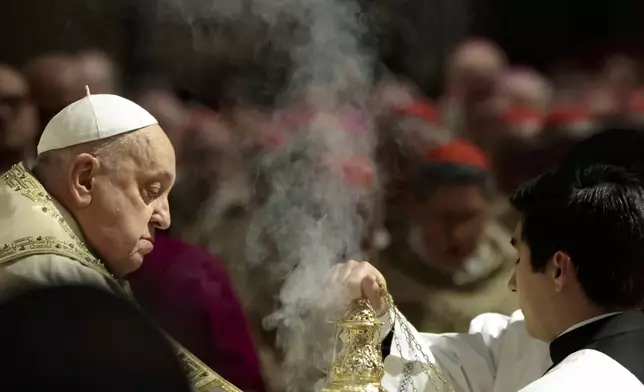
[
  {"x": 471, "y": 269},
  {"x": 588, "y": 321}
]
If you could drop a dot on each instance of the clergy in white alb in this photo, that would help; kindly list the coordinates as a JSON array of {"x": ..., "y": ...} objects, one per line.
[
  {"x": 87, "y": 211},
  {"x": 579, "y": 279}
]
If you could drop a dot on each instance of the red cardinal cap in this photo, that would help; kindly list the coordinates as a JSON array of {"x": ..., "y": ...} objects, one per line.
[
  {"x": 420, "y": 108},
  {"x": 567, "y": 115},
  {"x": 459, "y": 152},
  {"x": 516, "y": 115},
  {"x": 636, "y": 101}
]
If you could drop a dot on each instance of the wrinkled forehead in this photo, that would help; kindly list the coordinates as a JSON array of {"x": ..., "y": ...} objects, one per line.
[{"x": 151, "y": 152}]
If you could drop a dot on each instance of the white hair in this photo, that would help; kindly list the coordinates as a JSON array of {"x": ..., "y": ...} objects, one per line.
[{"x": 50, "y": 166}]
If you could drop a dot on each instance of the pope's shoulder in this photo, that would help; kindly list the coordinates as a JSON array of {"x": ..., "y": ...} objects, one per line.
[
  {"x": 40, "y": 243},
  {"x": 49, "y": 270}
]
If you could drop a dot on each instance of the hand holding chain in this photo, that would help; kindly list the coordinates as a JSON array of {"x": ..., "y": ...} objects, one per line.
[{"x": 432, "y": 372}]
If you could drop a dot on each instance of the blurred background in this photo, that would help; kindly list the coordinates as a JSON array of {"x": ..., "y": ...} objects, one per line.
[{"x": 466, "y": 100}]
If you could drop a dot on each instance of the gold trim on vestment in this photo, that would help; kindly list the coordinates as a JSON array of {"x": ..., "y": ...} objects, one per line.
[
  {"x": 201, "y": 376},
  {"x": 29, "y": 246},
  {"x": 20, "y": 180}
]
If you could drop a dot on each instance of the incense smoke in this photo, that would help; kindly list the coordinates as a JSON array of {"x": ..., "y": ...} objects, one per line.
[{"x": 315, "y": 182}]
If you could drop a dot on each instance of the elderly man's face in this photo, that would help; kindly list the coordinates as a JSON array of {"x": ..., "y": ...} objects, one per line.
[
  {"x": 122, "y": 206},
  {"x": 474, "y": 72},
  {"x": 452, "y": 223}
]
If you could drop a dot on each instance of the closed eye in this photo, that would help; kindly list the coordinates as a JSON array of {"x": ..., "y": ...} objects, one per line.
[
  {"x": 155, "y": 191},
  {"x": 152, "y": 192}
]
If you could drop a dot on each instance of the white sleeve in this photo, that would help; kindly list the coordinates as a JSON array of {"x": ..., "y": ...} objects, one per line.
[{"x": 469, "y": 361}]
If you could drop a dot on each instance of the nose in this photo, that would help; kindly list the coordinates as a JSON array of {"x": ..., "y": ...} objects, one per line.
[
  {"x": 512, "y": 283},
  {"x": 161, "y": 215}
]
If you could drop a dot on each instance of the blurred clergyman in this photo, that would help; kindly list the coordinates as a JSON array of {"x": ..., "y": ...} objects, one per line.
[
  {"x": 18, "y": 119},
  {"x": 55, "y": 82},
  {"x": 189, "y": 293},
  {"x": 98, "y": 71},
  {"x": 472, "y": 102},
  {"x": 208, "y": 205},
  {"x": 449, "y": 260},
  {"x": 405, "y": 135}
]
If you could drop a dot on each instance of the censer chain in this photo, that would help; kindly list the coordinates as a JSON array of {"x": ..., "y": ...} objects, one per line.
[{"x": 431, "y": 371}]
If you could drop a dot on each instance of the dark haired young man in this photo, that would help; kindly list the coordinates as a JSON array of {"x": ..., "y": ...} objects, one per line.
[
  {"x": 580, "y": 275},
  {"x": 579, "y": 279}
]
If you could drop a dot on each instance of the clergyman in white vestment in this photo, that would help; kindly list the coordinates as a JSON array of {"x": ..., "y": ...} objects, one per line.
[
  {"x": 87, "y": 212},
  {"x": 580, "y": 284}
]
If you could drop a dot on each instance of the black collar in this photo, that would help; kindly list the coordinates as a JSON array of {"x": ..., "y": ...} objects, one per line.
[{"x": 587, "y": 335}]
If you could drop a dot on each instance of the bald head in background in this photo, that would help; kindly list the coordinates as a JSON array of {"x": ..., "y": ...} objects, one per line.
[
  {"x": 98, "y": 70},
  {"x": 393, "y": 91},
  {"x": 611, "y": 94},
  {"x": 18, "y": 119},
  {"x": 527, "y": 88},
  {"x": 55, "y": 82},
  {"x": 474, "y": 68}
]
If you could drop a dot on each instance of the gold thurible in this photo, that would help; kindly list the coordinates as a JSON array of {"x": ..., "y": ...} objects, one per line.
[{"x": 357, "y": 365}]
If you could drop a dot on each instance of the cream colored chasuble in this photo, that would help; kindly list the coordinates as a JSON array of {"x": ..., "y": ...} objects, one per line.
[{"x": 40, "y": 244}]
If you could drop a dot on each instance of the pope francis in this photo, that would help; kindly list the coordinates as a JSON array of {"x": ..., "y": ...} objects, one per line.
[{"x": 88, "y": 210}]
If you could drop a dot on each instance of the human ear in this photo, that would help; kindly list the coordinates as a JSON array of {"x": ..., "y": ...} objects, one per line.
[
  {"x": 561, "y": 269},
  {"x": 82, "y": 170}
]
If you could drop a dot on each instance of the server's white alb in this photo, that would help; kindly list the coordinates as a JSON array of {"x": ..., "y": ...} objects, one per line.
[{"x": 498, "y": 355}]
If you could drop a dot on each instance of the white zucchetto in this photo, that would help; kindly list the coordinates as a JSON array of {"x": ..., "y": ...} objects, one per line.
[{"x": 92, "y": 118}]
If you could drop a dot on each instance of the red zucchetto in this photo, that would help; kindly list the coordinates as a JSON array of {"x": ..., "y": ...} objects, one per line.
[{"x": 459, "y": 152}]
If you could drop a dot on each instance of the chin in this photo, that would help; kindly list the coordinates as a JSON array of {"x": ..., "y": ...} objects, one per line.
[
  {"x": 130, "y": 265},
  {"x": 135, "y": 262}
]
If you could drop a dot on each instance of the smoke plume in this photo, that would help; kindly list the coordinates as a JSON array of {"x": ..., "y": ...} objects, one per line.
[{"x": 314, "y": 183}]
